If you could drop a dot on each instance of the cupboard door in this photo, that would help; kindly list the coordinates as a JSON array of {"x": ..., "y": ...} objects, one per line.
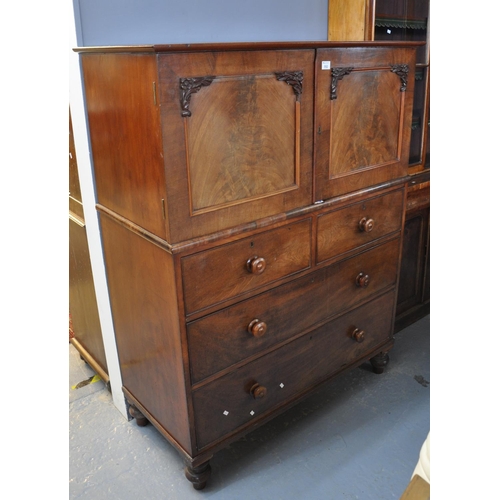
[
  {"x": 414, "y": 278},
  {"x": 363, "y": 117},
  {"x": 237, "y": 132}
]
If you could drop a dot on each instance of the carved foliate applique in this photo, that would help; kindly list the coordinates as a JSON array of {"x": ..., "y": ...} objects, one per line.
[
  {"x": 294, "y": 79},
  {"x": 402, "y": 71},
  {"x": 190, "y": 86},
  {"x": 338, "y": 74}
]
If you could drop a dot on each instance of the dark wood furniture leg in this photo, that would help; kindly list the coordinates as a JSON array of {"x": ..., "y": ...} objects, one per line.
[
  {"x": 141, "y": 420},
  {"x": 198, "y": 475},
  {"x": 379, "y": 362}
]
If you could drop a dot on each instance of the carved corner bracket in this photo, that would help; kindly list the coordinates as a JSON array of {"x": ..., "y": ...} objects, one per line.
[
  {"x": 190, "y": 86},
  {"x": 338, "y": 74},
  {"x": 402, "y": 71},
  {"x": 294, "y": 79}
]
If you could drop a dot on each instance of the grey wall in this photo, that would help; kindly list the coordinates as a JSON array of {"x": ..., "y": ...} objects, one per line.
[{"x": 130, "y": 22}]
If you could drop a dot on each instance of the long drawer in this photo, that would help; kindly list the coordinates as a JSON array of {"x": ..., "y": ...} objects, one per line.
[
  {"x": 240, "y": 397},
  {"x": 340, "y": 231},
  {"x": 220, "y": 273},
  {"x": 235, "y": 333}
]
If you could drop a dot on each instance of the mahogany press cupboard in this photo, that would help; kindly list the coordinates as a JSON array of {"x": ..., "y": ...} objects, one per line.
[{"x": 251, "y": 206}]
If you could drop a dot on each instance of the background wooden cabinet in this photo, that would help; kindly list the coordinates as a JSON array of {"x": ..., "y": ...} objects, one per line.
[
  {"x": 397, "y": 20},
  {"x": 86, "y": 328},
  {"x": 414, "y": 283}
]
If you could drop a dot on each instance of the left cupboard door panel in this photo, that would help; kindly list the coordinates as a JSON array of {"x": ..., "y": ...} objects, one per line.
[{"x": 237, "y": 132}]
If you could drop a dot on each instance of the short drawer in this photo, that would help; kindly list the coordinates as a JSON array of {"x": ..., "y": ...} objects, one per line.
[
  {"x": 243, "y": 396},
  {"x": 235, "y": 333},
  {"x": 345, "y": 229},
  {"x": 220, "y": 273}
]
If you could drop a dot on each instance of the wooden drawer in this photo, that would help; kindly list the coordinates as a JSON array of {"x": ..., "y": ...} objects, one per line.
[
  {"x": 418, "y": 197},
  {"x": 227, "y": 404},
  {"x": 342, "y": 230},
  {"x": 221, "y": 273},
  {"x": 221, "y": 339}
]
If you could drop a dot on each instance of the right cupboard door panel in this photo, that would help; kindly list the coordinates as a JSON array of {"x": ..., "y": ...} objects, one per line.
[{"x": 363, "y": 117}]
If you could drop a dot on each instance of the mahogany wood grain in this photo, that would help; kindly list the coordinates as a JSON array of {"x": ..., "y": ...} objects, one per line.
[
  {"x": 220, "y": 273},
  {"x": 287, "y": 310},
  {"x": 141, "y": 282},
  {"x": 246, "y": 150},
  {"x": 362, "y": 135},
  {"x": 227, "y": 403},
  {"x": 234, "y": 147},
  {"x": 124, "y": 127},
  {"x": 339, "y": 231}
]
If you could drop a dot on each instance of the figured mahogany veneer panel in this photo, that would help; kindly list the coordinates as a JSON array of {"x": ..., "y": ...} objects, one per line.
[
  {"x": 141, "y": 282},
  {"x": 363, "y": 118},
  {"x": 221, "y": 339},
  {"x": 124, "y": 127},
  {"x": 342, "y": 230},
  {"x": 370, "y": 135},
  {"x": 237, "y": 133},
  {"x": 227, "y": 404},
  {"x": 220, "y": 273},
  {"x": 246, "y": 155}
]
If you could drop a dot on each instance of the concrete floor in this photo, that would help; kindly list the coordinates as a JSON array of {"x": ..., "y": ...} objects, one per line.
[{"x": 357, "y": 438}]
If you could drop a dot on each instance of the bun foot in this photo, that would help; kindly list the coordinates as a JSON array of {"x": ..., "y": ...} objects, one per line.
[
  {"x": 198, "y": 475},
  {"x": 140, "y": 419},
  {"x": 379, "y": 362}
]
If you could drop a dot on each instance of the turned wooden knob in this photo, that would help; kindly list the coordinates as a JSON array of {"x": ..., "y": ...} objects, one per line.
[
  {"x": 362, "y": 280},
  {"x": 358, "y": 335},
  {"x": 256, "y": 265},
  {"x": 257, "y": 328},
  {"x": 258, "y": 391},
  {"x": 366, "y": 225}
]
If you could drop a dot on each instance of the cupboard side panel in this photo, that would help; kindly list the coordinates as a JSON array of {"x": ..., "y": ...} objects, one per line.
[
  {"x": 125, "y": 134},
  {"x": 144, "y": 305}
]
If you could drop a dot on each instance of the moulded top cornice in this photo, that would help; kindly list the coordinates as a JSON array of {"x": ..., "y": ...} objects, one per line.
[{"x": 209, "y": 47}]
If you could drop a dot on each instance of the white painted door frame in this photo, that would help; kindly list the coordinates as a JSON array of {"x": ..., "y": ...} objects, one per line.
[{"x": 83, "y": 154}]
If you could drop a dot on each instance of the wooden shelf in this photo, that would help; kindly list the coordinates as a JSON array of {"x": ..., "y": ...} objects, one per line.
[{"x": 400, "y": 22}]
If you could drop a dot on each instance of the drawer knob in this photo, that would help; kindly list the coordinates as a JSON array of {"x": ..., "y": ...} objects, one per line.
[
  {"x": 258, "y": 391},
  {"x": 358, "y": 335},
  {"x": 362, "y": 280},
  {"x": 366, "y": 225},
  {"x": 257, "y": 328},
  {"x": 256, "y": 265}
]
